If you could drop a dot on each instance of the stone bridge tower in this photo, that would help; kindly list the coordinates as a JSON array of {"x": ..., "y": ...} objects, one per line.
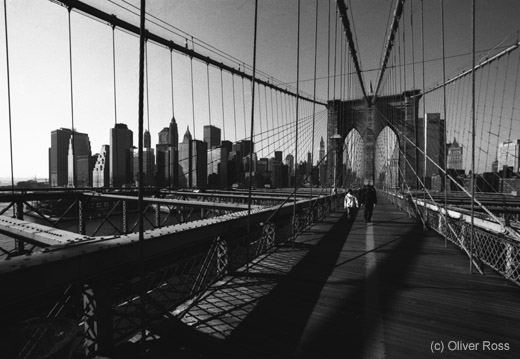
[{"x": 369, "y": 117}]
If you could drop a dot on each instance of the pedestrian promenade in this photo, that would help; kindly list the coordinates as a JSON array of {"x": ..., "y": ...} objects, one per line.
[{"x": 347, "y": 289}]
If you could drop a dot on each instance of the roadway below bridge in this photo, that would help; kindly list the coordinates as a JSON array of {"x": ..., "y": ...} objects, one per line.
[{"x": 386, "y": 289}]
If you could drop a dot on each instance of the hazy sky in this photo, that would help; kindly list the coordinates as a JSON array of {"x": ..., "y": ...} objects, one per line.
[{"x": 39, "y": 62}]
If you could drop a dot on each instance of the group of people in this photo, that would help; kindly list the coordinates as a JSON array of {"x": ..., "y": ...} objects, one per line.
[{"x": 366, "y": 198}]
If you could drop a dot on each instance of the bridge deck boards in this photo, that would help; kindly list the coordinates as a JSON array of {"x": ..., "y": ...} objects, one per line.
[{"x": 385, "y": 289}]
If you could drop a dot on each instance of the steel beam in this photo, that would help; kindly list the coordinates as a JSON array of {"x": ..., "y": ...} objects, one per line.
[
  {"x": 342, "y": 8},
  {"x": 170, "y": 44}
]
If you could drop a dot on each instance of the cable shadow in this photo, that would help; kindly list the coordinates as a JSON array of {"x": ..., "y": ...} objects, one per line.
[{"x": 280, "y": 318}]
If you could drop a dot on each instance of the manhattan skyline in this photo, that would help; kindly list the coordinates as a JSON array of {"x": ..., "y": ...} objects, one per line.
[{"x": 41, "y": 86}]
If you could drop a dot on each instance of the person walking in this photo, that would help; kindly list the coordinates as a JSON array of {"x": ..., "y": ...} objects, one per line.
[
  {"x": 368, "y": 199},
  {"x": 350, "y": 203}
]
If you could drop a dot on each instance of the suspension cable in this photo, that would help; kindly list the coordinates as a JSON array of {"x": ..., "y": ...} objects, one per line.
[
  {"x": 473, "y": 125},
  {"x": 192, "y": 98},
  {"x": 223, "y": 112},
  {"x": 147, "y": 92},
  {"x": 252, "y": 121},
  {"x": 297, "y": 112},
  {"x": 114, "y": 70},
  {"x": 314, "y": 96},
  {"x": 72, "y": 102},
  {"x": 444, "y": 157},
  {"x": 171, "y": 81},
  {"x": 9, "y": 99},
  {"x": 234, "y": 106}
]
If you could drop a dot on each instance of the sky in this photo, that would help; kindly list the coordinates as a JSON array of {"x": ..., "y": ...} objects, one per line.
[{"x": 39, "y": 71}]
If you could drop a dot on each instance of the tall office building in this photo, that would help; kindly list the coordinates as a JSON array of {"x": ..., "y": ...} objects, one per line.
[
  {"x": 193, "y": 162},
  {"x": 185, "y": 154},
  {"x": 509, "y": 155},
  {"x": 322, "y": 150},
  {"x": 454, "y": 157},
  {"x": 218, "y": 167},
  {"x": 212, "y": 136},
  {"x": 121, "y": 155},
  {"x": 289, "y": 161},
  {"x": 148, "y": 162},
  {"x": 430, "y": 136},
  {"x": 199, "y": 163},
  {"x": 162, "y": 160},
  {"x": 79, "y": 160},
  {"x": 173, "y": 142},
  {"x": 58, "y": 157},
  {"x": 247, "y": 147},
  {"x": 101, "y": 171},
  {"x": 309, "y": 163}
]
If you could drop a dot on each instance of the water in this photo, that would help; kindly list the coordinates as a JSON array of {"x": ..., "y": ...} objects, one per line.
[{"x": 103, "y": 227}]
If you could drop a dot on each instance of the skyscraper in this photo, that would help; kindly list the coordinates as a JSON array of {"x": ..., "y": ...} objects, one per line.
[
  {"x": 162, "y": 150},
  {"x": 430, "y": 136},
  {"x": 217, "y": 166},
  {"x": 199, "y": 163},
  {"x": 79, "y": 160},
  {"x": 322, "y": 150},
  {"x": 173, "y": 142},
  {"x": 289, "y": 161},
  {"x": 148, "y": 162},
  {"x": 121, "y": 155},
  {"x": 454, "y": 158},
  {"x": 58, "y": 157},
  {"x": 212, "y": 136},
  {"x": 509, "y": 155},
  {"x": 185, "y": 154},
  {"x": 101, "y": 171}
]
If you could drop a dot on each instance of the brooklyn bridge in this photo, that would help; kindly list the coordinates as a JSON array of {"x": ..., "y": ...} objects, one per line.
[{"x": 231, "y": 236}]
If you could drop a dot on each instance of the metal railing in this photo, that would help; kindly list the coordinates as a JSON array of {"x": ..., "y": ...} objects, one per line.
[
  {"x": 492, "y": 245},
  {"x": 100, "y": 287}
]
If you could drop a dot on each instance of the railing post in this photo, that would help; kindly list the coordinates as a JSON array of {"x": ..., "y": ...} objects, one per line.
[
  {"x": 157, "y": 215},
  {"x": 97, "y": 316},
  {"x": 125, "y": 219},
  {"x": 19, "y": 244},
  {"x": 222, "y": 257},
  {"x": 82, "y": 212}
]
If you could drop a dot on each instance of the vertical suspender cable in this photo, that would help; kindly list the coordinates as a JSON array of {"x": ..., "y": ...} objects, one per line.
[
  {"x": 512, "y": 119},
  {"x": 252, "y": 123},
  {"x": 244, "y": 105},
  {"x": 328, "y": 59},
  {"x": 192, "y": 100},
  {"x": 234, "y": 105},
  {"x": 9, "y": 97},
  {"x": 146, "y": 76},
  {"x": 472, "y": 136},
  {"x": 335, "y": 55},
  {"x": 444, "y": 154},
  {"x": 424, "y": 97},
  {"x": 322, "y": 180},
  {"x": 297, "y": 113},
  {"x": 235, "y": 123},
  {"x": 503, "y": 98},
  {"x": 267, "y": 122},
  {"x": 415, "y": 109},
  {"x": 209, "y": 96},
  {"x": 222, "y": 97},
  {"x": 114, "y": 69},
  {"x": 314, "y": 98},
  {"x": 140, "y": 160},
  {"x": 210, "y": 160},
  {"x": 171, "y": 80},
  {"x": 69, "y": 9}
]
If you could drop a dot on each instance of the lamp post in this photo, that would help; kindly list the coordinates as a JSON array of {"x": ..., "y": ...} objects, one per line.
[{"x": 336, "y": 138}]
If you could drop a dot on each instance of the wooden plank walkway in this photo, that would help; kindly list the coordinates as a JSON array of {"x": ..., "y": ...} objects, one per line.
[{"x": 347, "y": 289}]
